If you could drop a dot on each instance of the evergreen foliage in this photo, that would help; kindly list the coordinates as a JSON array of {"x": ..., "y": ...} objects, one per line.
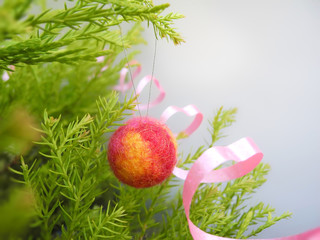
[{"x": 57, "y": 111}]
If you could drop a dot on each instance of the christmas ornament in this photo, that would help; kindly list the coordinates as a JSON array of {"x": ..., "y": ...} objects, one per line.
[{"x": 142, "y": 153}]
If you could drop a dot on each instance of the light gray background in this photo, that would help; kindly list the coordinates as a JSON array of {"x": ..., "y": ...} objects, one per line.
[{"x": 263, "y": 58}]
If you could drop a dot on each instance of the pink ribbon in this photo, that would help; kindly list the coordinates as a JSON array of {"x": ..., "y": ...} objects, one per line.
[
  {"x": 100, "y": 59},
  {"x": 248, "y": 156},
  {"x": 189, "y": 110},
  {"x": 143, "y": 82},
  {"x": 6, "y": 75},
  {"x": 125, "y": 86}
]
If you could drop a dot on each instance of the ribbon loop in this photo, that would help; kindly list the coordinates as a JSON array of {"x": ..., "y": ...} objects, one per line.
[
  {"x": 144, "y": 81},
  {"x": 210, "y": 159},
  {"x": 189, "y": 110},
  {"x": 235, "y": 151},
  {"x": 124, "y": 86},
  {"x": 6, "y": 74}
]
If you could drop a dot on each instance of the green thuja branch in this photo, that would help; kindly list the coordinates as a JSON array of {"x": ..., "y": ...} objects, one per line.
[
  {"x": 143, "y": 206},
  {"x": 99, "y": 220},
  {"x": 75, "y": 158},
  {"x": 53, "y": 33},
  {"x": 63, "y": 89},
  {"x": 11, "y": 13},
  {"x": 222, "y": 119},
  {"x": 147, "y": 221},
  {"x": 270, "y": 220}
]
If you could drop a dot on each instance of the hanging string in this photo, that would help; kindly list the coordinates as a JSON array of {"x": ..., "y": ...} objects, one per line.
[
  {"x": 129, "y": 67},
  {"x": 153, "y": 65},
  {"x": 130, "y": 71}
]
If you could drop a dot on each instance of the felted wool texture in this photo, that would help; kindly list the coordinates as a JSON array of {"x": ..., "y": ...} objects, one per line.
[{"x": 143, "y": 152}]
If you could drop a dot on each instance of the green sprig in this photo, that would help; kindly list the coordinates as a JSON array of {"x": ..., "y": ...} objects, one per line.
[{"x": 52, "y": 30}]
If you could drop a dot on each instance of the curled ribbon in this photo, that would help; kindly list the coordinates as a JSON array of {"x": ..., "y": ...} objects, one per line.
[
  {"x": 244, "y": 151},
  {"x": 6, "y": 75},
  {"x": 189, "y": 110},
  {"x": 143, "y": 82},
  {"x": 124, "y": 86},
  {"x": 247, "y": 155}
]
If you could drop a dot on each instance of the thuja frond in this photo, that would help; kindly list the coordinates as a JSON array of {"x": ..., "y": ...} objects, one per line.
[
  {"x": 18, "y": 7},
  {"x": 36, "y": 51},
  {"x": 106, "y": 224},
  {"x": 191, "y": 158},
  {"x": 63, "y": 89},
  {"x": 11, "y": 13},
  {"x": 146, "y": 217},
  {"x": 163, "y": 30},
  {"x": 16, "y": 212},
  {"x": 161, "y": 24},
  {"x": 49, "y": 35},
  {"x": 270, "y": 220},
  {"x": 75, "y": 156},
  {"x": 141, "y": 206},
  {"x": 222, "y": 119}
]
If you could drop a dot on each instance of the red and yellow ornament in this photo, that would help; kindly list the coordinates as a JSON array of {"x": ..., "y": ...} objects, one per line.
[{"x": 143, "y": 152}]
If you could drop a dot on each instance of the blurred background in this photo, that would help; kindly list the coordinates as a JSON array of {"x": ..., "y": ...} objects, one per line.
[{"x": 263, "y": 58}]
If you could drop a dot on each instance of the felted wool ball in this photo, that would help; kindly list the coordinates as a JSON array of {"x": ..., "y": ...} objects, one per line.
[{"x": 142, "y": 153}]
